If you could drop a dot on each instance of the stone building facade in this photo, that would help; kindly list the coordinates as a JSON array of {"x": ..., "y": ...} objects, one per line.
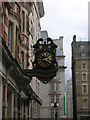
[
  {"x": 80, "y": 79},
  {"x": 18, "y": 98},
  {"x": 37, "y": 11},
  {"x": 69, "y": 100},
  {"x": 54, "y": 91}
]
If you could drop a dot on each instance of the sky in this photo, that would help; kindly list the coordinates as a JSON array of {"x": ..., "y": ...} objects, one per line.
[{"x": 66, "y": 18}]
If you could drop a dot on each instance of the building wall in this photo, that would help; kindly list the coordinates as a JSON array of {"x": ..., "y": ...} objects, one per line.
[
  {"x": 35, "y": 28},
  {"x": 45, "y": 112},
  {"x": 16, "y": 92},
  {"x": 47, "y": 109},
  {"x": 80, "y": 73},
  {"x": 69, "y": 100},
  {"x": 89, "y": 20}
]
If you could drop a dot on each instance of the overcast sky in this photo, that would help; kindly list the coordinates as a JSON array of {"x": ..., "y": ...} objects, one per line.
[{"x": 66, "y": 18}]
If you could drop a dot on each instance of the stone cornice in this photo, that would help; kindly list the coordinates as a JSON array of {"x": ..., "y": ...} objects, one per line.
[{"x": 62, "y": 67}]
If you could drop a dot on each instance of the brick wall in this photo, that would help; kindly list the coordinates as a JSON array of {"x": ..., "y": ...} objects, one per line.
[{"x": 4, "y": 21}]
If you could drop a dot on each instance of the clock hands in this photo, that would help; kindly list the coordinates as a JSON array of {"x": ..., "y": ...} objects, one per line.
[{"x": 47, "y": 59}]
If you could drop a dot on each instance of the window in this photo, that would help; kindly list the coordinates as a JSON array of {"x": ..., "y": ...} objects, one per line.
[
  {"x": 17, "y": 9},
  {"x": 57, "y": 110},
  {"x": 27, "y": 25},
  {"x": 57, "y": 99},
  {"x": 57, "y": 86},
  {"x": 52, "y": 86},
  {"x": 84, "y": 89},
  {"x": 52, "y": 99},
  {"x": 17, "y": 45},
  {"x": 52, "y": 113},
  {"x": 83, "y": 66},
  {"x": 82, "y": 47},
  {"x": 22, "y": 21},
  {"x": 22, "y": 59},
  {"x": 85, "y": 103},
  {"x": 10, "y": 34},
  {"x": 12, "y": 5},
  {"x": 83, "y": 54},
  {"x": 17, "y": 34},
  {"x": 84, "y": 77}
]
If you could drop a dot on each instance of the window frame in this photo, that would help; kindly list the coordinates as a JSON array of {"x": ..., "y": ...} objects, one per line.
[
  {"x": 83, "y": 103},
  {"x": 23, "y": 21},
  {"x": 10, "y": 30},
  {"x": 83, "y": 54},
  {"x": 57, "y": 96},
  {"x": 52, "y": 112},
  {"x": 52, "y": 86},
  {"x": 83, "y": 65},
  {"x": 22, "y": 59},
  {"x": 52, "y": 99},
  {"x": 57, "y": 86},
  {"x": 83, "y": 77},
  {"x": 82, "y": 47},
  {"x": 83, "y": 89}
]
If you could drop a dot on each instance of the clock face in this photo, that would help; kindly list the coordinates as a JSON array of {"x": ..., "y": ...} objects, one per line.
[{"x": 45, "y": 59}]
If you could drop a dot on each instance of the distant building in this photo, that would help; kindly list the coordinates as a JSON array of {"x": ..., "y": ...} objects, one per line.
[
  {"x": 54, "y": 91},
  {"x": 44, "y": 34},
  {"x": 89, "y": 20},
  {"x": 69, "y": 100},
  {"x": 80, "y": 79}
]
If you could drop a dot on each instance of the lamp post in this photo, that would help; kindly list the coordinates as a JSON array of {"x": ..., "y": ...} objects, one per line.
[{"x": 55, "y": 106}]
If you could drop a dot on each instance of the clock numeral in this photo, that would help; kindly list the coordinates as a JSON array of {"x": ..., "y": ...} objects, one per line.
[
  {"x": 39, "y": 59},
  {"x": 45, "y": 54}
]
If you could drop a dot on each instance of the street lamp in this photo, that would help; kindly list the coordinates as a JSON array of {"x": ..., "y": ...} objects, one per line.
[{"x": 55, "y": 106}]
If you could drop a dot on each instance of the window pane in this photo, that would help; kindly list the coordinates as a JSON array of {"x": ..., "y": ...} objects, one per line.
[
  {"x": 22, "y": 59},
  {"x": 57, "y": 99},
  {"x": 17, "y": 46},
  {"x": 83, "y": 66},
  {"x": 10, "y": 34},
  {"x": 57, "y": 86},
  {"x": 84, "y": 89},
  {"x": 85, "y": 103},
  {"x": 52, "y": 113},
  {"x": 84, "y": 76},
  {"x": 83, "y": 54},
  {"x": 22, "y": 27},
  {"x": 82, "y": 47},
  {"x": 52, "y": 99},
  {"x": 57, "y": 110},
  {"x": 52, "y": 86}
]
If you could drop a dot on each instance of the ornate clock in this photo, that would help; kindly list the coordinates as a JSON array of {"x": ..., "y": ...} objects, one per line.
[
  {"x": 45, "y": 65},
  {"x": 45, "y": 59}
]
